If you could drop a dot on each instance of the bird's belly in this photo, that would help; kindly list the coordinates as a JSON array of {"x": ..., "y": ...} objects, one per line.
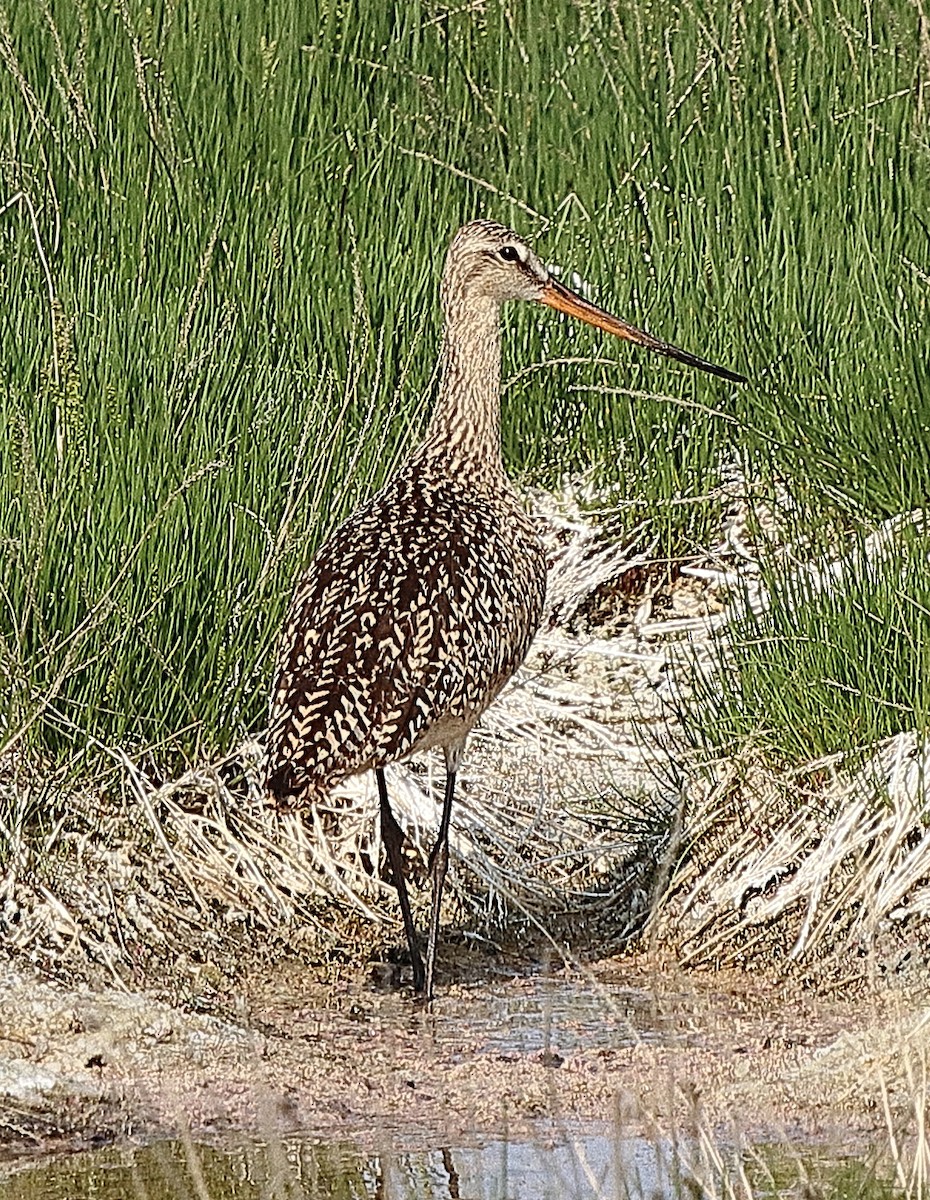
[
  {"x": 445, "y": 731},
  {"x": 493, "y": 622}
]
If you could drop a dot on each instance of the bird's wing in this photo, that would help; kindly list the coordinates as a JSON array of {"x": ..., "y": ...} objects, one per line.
[{"x": 391, "y": 629}]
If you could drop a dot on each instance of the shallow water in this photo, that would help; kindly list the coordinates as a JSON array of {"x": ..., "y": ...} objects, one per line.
[
  {"x": 290, "y": 1168},
  {"x": 525, "y": 1019},
  {"x": 592, "y": 1167},
  {"x": 560, "y": 1014}
]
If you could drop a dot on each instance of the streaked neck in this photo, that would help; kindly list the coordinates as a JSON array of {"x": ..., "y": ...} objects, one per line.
[{"x": 464, "y": 434}]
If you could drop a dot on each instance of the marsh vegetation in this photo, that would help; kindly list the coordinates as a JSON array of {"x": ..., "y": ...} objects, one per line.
[{"x": 221, "y": 233}]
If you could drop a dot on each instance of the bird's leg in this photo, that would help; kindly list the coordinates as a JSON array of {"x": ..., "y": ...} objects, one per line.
[
  {"x": 393, "y": 837},
  {"x": 439, "y": 862}
]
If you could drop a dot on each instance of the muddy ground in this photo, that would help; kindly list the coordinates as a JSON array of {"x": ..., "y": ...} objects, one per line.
[{"x": 634, "y": 1043}]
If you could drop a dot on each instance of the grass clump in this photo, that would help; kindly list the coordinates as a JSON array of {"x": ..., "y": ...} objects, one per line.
[{"x": 835, "y": 657}]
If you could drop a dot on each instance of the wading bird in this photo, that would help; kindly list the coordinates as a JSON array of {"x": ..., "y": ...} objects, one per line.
[{"x": 417, "y": 610}]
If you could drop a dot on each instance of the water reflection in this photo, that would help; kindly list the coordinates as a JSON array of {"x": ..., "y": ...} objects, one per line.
[
  {"x": 584, "y": 1168},
  {"x": 285, "y": 1170}
]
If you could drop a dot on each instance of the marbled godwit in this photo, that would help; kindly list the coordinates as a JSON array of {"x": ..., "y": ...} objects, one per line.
[{"x": 418, "y": 609}]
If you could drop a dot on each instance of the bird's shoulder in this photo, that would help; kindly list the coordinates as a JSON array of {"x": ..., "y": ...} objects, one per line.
[{"x": 416, "y": 539}]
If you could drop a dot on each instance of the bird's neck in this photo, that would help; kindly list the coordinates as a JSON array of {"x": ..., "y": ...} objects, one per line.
[{"x": 464, "y": 434}]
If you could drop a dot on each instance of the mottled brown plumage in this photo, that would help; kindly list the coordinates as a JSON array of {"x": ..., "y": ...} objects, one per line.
[{"x": 419, "y": 608}]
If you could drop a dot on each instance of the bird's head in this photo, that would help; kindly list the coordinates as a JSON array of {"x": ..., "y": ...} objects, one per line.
[{"x": 489, "y": 263}]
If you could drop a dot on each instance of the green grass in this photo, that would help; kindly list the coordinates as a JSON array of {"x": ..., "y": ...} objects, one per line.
[
  {"x": 832, "y": 664},
  {"x": 243, "y": 217}
]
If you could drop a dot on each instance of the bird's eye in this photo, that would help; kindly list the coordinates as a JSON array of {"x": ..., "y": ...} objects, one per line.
[{"x": 509, "y": 253}]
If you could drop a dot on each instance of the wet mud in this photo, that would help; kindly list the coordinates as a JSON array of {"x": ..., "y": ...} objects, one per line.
[{"x": 635, "y": 1047}]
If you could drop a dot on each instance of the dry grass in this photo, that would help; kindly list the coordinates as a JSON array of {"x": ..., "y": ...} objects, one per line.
[
  {"x": 818, "y": 863},
  {"x": 579, "y": 792},
  {"x": 563, "y": 810},
  {"x": 824, "y": 866}
]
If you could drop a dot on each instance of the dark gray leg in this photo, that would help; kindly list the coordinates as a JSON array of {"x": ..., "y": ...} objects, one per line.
[
  {"x": 439, "y": 862},
  {"x": 393, "y": 837}
]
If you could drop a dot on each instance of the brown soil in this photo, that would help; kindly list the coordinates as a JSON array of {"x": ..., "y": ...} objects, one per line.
[{"x": 635, "y": 1042}]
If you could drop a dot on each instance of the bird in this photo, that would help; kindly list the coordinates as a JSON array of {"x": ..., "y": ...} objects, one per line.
[{"x": 418, "y": 608}]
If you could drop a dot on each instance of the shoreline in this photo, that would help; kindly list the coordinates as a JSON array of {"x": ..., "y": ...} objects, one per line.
[{"x": 741, "y": 1057}]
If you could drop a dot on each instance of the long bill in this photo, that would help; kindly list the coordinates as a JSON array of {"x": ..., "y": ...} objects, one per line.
[{"x": 563, "y": 299}]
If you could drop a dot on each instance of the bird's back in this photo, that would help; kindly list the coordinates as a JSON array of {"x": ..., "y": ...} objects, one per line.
[{"x": 403, "y": 630}]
